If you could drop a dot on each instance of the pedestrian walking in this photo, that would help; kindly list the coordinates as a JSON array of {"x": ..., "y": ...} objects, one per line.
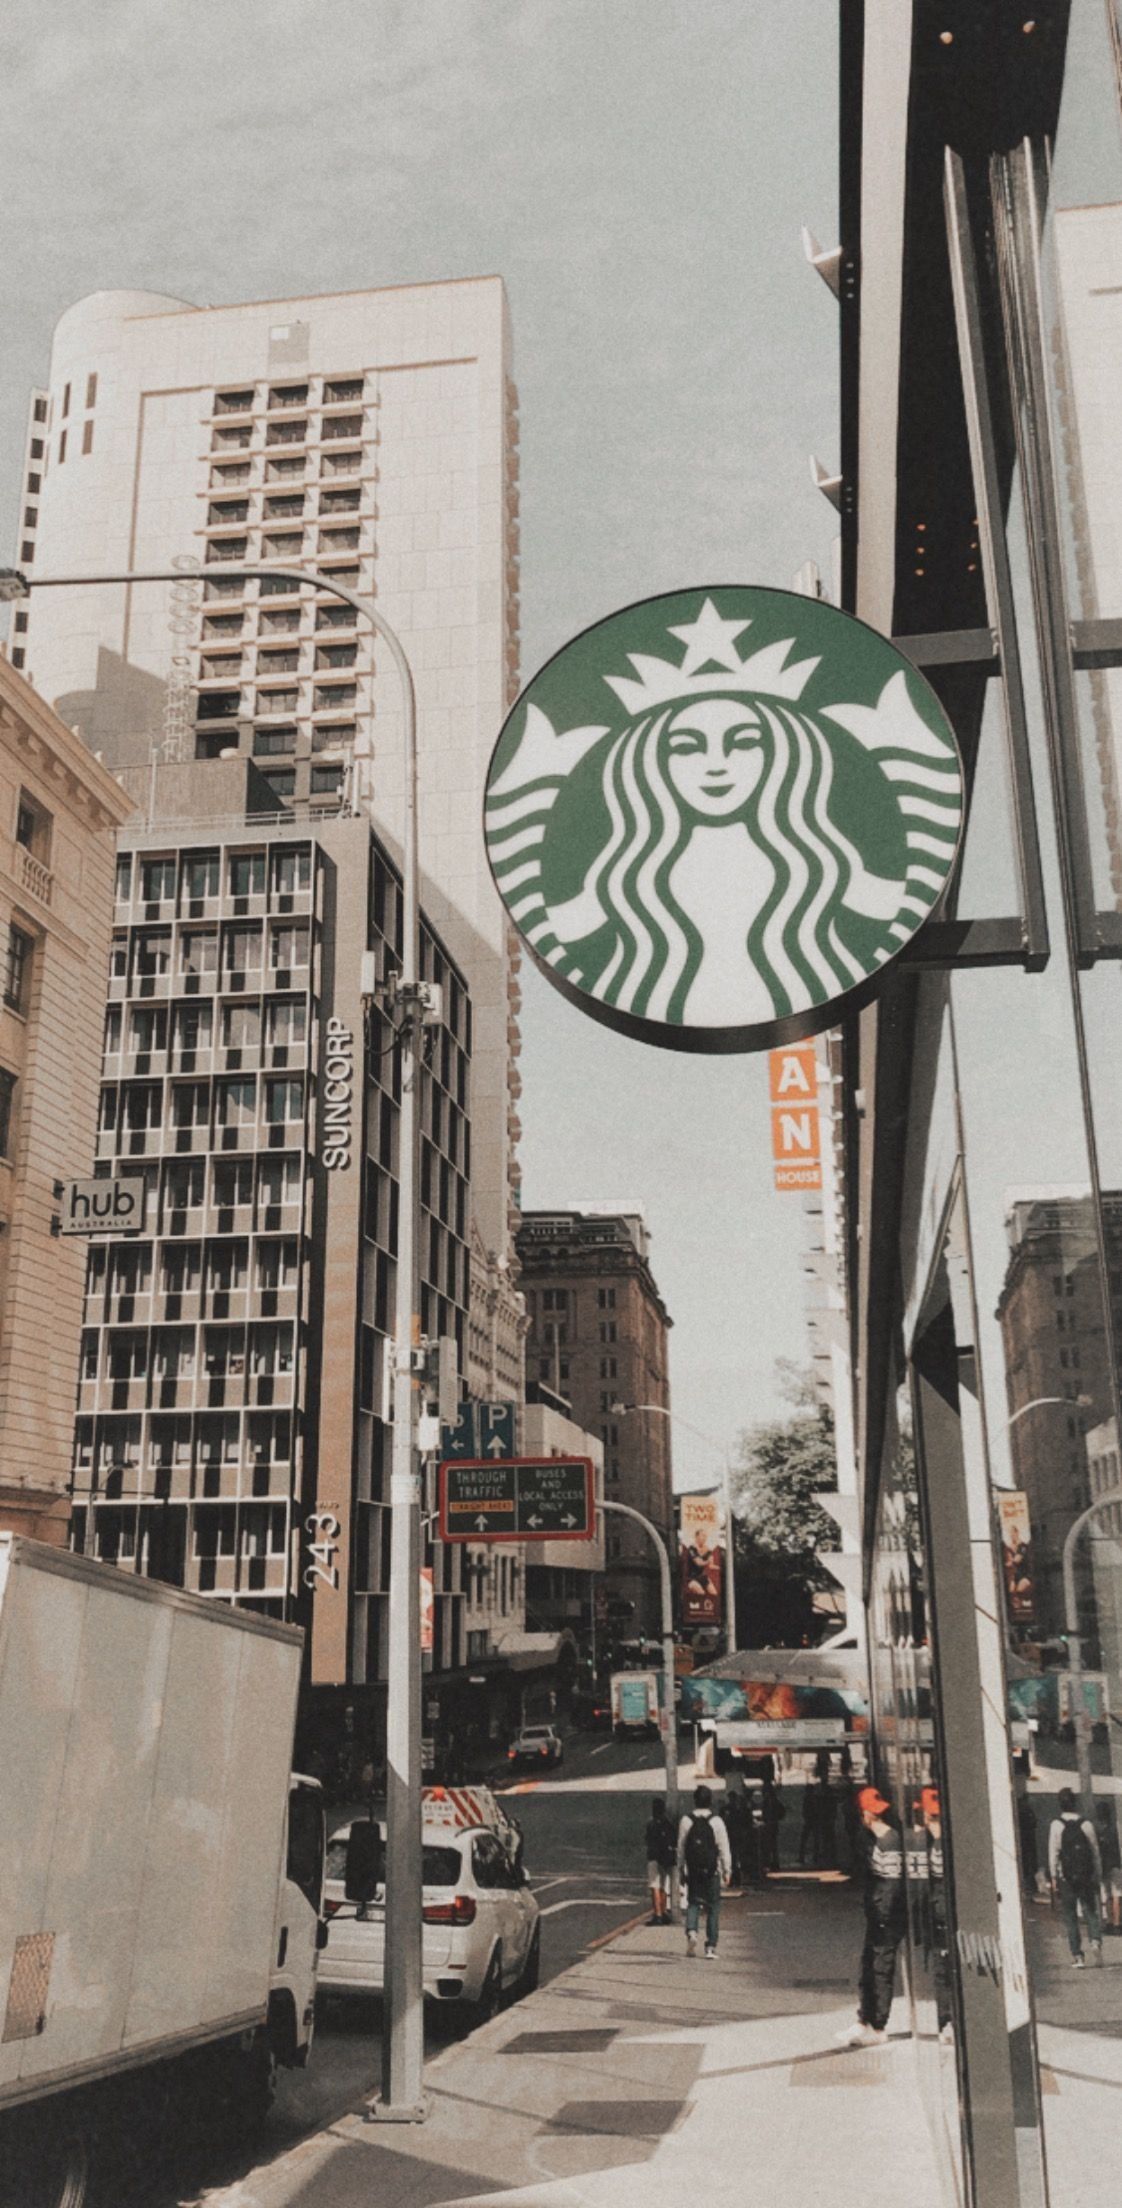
[
  {"x": 810, "y": 1837},
  {"x": 1075, "y": 1872},
  {"x": 775, "y": 1810},
  {"x": 705, "y": 1864},
  {"x": 738, "y": 1825},
  {"x": 885, "y": 1919},
  {"x": 661, "y": 1843}
]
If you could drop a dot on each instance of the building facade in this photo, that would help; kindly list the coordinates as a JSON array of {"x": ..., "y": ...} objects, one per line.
[
  {"x": 59, "y": 810},
  {"x": 232, "y": 1431},
  {"x": 373, "y": 435},
  {"x": 598, "y": 1337},
  {"x": 1057, "y": 1368},
  {"x": 980, "y": 1090}
]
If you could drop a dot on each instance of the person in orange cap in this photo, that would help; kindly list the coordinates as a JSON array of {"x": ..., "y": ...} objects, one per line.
[
  {"x": 885, "y": 1919},
  {"x": 935, "y": 1916}
]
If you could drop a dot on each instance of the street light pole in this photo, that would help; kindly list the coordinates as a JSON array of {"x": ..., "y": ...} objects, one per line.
[
  {"x": 403, "y": 2042},
  {"x": 1081, "y": 1716},
  {"x": 660, "y": 1411},
  {"x": 667, "y": 1725}
]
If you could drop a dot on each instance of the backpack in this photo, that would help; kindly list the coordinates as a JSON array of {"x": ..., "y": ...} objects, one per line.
[
  {"x": 1077, "y": 1863},
  {"x": 700, "y": 1854},
  {"x": 661, "y": 1846}
]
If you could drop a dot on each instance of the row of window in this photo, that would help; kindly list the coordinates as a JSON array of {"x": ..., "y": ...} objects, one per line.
[
  {"x": 226, "y": 666},
  {"x": 264, "y": 1348},
  {"x": 196, "y": 950},
  {"x": 277, "y": 621},
  {"x": 177, "y": 1441},
  {"x": 281, "y": 1023},
  {"x": 188, "y": 877},
  {"x": 218, "y": 587},
  {"x": 288, "y": 505},
  {"x": 177, "y": 1187},
  {"x": 337, "y": 391},
  {"x": 231, "y": 1100},
  {"x": 126, "y": 1268}
]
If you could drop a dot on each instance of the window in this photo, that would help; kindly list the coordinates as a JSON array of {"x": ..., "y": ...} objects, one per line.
[
  {"x": 34, "y": 483},
  {"x": 200, "y": 875},
  {"x": 224, "y": 586},
  {"x": 157, "y": 880},
  {"x": 336, "y": 655},
  {"x": 33, "y": 827},
  {"x": 17, "y": 969},
  {"x": 226, "y": 548},
  {"x": 148, "y": 1027},
  {"x": 286, "y": 433},
  {"x": 7, "y": 1110},
  {"x": 286, "y": 544},
  {"x": 287, "y": 508},
  {"x": 284, "y": 1100},
  {"x": 286, "y": 623},
  {"x": 278, "y": 1181},
  {"x": 39, "y": 410},
  {"x": 290, "y": 946},
  {"x": 87, "y": 436},
  {"x": 291, "y": 870},
  {"x": 607, "y": 1368},
  {"x": 192, "y": 1030},
  {"x": 333, "y": 735},
  {"x": 288, "y": 394},
  {"x": 340, "y": 463},
  {"x": 340, "y": 502},
  {"x": 112, "y": 1037},
  {"x": 230, "y": 440},
  {"x": 277, "y": 701},
  {"x": 223, "y": 624},
  {"x": 279, "y": 662},
  {"x": 328, "y": 699},
  {"x": 274, "y": 743},
  {"x": 272, "y": 1349},
  {"x": 233, "y": 1183},
  {"x": 65, "y": 401},
  {"x": 284, "y": 471},
  {"x": 241, "y": 1026},
  {"x": 229, "y": 475},
  {"x": 342, "y": 425},
  {"x": 607, "y": 1330},
  {"x": 339, "y": 540},
  {"x": 288, "y": 1018},
  {"x": 281, "y": 781},
  {"x": 606, "y": 1298},
  {"x": 61, "y": 446},
  {"x": 198, "y": 951},
  {"x": 235, "y": 1103},
  {"x": 91, "y": 390},
  {"x": 331, "y": 616},
  {"x": 233, "y": 402},
  {"x": 190, "y": 1104},
  {"x": 247, "y": 868},
  {"x": 276, "y": 1264},
  {"x": 153, "y": 952},
  {"x": 227, "y": 512},
  {"x": 343, "y": 391},
  {"x": 242, "y": 949},
  {"x": 326, "y": 781},
  {"x": 30, "y": 516}
]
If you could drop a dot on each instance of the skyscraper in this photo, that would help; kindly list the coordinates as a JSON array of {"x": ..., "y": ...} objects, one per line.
[{"x": 372, "y": 434}]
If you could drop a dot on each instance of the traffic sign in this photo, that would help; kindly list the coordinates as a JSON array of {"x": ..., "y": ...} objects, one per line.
[
  {"x": 517, "y": 1499},
  {"x": 481, "y": 1430}
]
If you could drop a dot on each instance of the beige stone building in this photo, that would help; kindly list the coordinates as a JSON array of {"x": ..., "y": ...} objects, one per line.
[{"x": 59, "y": 810}]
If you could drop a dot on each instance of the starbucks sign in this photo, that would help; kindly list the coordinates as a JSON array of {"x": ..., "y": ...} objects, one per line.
[{"x": 715, "y": 817}]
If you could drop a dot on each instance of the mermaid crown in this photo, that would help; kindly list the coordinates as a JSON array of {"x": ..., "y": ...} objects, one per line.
[{"x": 707, "y": 640}]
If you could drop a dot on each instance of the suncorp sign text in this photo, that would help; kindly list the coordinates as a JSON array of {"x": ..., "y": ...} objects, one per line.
[{"x": 338, "y": 1096}]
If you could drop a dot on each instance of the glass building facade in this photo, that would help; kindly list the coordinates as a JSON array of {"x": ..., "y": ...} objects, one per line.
[{"x": 980, "y": 306}]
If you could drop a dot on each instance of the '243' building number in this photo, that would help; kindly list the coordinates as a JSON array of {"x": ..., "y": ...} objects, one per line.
[{"x": 324, "y": 1530}]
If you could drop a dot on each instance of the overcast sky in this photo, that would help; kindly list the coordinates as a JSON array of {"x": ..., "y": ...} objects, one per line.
[{"x": 637, "y": 171}]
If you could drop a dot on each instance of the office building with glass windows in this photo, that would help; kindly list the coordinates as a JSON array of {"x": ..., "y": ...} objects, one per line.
[
  {"x": 232, "y": 1431},
  {"x": 977, "y": 283}
]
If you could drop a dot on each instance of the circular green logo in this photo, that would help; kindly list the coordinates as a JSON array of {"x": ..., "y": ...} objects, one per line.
[{"x": 716, "y": 816}]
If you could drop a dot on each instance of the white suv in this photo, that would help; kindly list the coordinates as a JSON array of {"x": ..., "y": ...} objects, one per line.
[{"x": 481, "y": 1938}]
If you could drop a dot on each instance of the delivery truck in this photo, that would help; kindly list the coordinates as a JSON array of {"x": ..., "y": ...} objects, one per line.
[
  {"x": 162, "y": 1869},
  {"x": 636, "y": 1699}
]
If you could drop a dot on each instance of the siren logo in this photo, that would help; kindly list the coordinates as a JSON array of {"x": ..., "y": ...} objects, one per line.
[{"x": 718, "y": 813}]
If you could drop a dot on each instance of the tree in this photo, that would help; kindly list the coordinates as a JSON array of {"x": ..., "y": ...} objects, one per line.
[{"x": 778, "y": 1525}]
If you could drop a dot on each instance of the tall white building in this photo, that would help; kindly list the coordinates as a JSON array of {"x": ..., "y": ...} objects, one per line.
[{"x": 373, "y": 434}]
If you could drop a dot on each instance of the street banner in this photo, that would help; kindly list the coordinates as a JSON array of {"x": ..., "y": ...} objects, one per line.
[
  {"x": 427, "y": 1599},
  {"x": 795, "y": 1133},
  {"x": 701, "y": 1559},
  {"x": 774, "y": 1704},
  {"x": 717, "y": 817},
  {"x": 1016, "y": 1555}
]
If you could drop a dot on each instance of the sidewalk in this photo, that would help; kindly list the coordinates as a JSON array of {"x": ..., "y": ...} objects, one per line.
[{"x": 642, "y": 2075}]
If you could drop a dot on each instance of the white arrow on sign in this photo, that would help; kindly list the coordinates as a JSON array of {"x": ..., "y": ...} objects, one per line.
[
  {"x": 536, "y": 1521},
  {"x": 482, "y": 1523},
  {"x": 495, "y": 1448},
  {"x": 569, "y": 1520}
]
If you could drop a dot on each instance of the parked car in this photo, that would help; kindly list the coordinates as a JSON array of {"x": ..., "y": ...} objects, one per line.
[
  {"x": 535, "y": 1744},
  {"x": 482, "y": 1926}
]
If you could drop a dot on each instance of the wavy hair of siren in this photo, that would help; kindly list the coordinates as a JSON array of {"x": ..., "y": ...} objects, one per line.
[{"x": 793, "y": 942}]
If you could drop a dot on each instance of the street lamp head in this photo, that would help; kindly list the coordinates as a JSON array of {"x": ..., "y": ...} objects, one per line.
[
  {"x": 618, "y": 1409},
  {"x": 13, "y": 584}
]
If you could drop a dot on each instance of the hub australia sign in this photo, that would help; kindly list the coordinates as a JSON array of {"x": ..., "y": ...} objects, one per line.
[{"x": 717, "y": 816}]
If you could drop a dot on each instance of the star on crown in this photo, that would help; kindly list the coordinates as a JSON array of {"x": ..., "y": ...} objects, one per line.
[{"x": 710, "y": 642}]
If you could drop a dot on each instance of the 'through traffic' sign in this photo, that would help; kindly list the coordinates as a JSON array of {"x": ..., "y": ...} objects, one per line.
[{"x": 517, "y": 1499}]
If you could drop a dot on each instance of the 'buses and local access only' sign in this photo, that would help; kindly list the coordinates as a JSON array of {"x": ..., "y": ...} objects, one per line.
[
  {"x": 716, "y": 816},
  {"x": 517, "y": 1499}
]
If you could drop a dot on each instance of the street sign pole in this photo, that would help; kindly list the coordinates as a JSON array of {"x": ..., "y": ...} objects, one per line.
[{"x": 667, "y": 1715}]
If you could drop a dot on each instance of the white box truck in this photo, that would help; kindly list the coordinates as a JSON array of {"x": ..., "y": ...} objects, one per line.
[
  {"x": 161, "y": 1871},
  {"x": 636, "y": 1699}
]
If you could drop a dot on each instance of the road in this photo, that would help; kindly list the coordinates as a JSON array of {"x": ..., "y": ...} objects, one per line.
[{"x": 583, "y": 1827}]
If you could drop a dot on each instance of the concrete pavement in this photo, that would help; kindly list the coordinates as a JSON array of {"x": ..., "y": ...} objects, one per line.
[{"x": 641, "y": 2074}]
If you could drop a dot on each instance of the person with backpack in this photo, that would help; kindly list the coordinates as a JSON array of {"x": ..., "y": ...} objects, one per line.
[
  {"x": 705, "y": 1864},
  {"x": 661, "y": 1849},
  {"x": 1076, "y": 1874}
]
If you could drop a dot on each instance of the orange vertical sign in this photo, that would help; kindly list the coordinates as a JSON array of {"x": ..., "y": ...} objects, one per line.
[{"x": 795, "y": 1140}]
